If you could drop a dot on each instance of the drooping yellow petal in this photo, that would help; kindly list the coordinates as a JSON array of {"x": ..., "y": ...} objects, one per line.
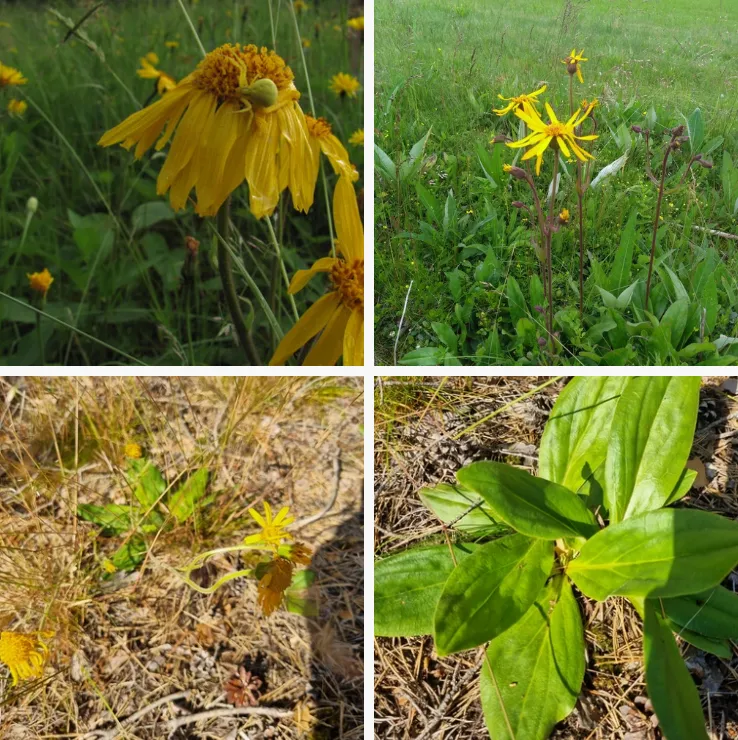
[
  {"x": 349, "y": 230},
  {"x": 329, "y": 345},
  {"x": 353, "y": 340},
  {"x": 552, "y": 115},
  {"x": 579, "y": 73},
  {"x": 261, "y": 166},
  {"x": 303, "y": 277}
]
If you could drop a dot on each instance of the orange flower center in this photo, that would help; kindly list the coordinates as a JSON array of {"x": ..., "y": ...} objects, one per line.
[
  {"x": 348, "y": 278},
  {"x": 555, "y": 129},
  {"x": 318, "y": 127}
]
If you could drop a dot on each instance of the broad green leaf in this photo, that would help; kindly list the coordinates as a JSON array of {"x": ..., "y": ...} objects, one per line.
[
  {"x": 538, "y": 667},
  {"x": 112, "y": 518},
  {"x": 721, "y": 648},
  {"x": 385, "y": 165},
  {"x": 696, "y": 130},
  {"x": 622, "y": 264},
  {"x": 670, "y": 687},
  {"x": 183, "y": 502},
  {"x": 683, "y": 486},
  {"x": 650, "y": 439},
  {"x": 490, "y": 590},
  {"x": 675, "y": 321},
  {"x": 532, "y": 506},
  {"x": 446, "y": 334},
  {"x": 407, "y": 587},
  {"x": 712, "y": 613},
  {"x": 670, "y": 552},
  {"x": 130, "y": 554},
  {"x": 148, "y": 214},
  {"x": 515, "y": 301},
  {"x": 577, "y": 434},
  {"x": 146, "y": 480},
  {"x": 297, "y": 597},
  {"x": 453, "y": 504}
]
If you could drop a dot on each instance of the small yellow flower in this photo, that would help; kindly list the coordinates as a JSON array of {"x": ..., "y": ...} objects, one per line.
[
  {"x": 132, "y": 450},
  {"x": 525, "y": 102},
  {"x": 40, "y": 281},
  {"x": 301, "y": 6},
  {"x": 272, "y": 528},
  {"x": 148, "y": 71},
  {"x": 4, "y": 24},
  {"x": 356, "y": 23},
  {"x": 573, "y": 63},
  {"x": 306, "y": 43},
  {"x": 108, "y": 566},
  {"x": 345, "y": 85},
  {"x": 17, "y": 108},
  {"x": 507, "y": 168},
  {"x": 564, "y": 216},
  {"x": 357, "y": 138},
  {"x": 10, "y": 76},
  {"x": 152, "y": 57},
  {"x": 272, "y": 585},
  {"x": 25, "y": 655},
  {"x": 171, "y": 44}
]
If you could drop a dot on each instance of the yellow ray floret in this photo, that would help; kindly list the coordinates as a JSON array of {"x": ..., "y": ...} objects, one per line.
[
  {"x": 17, "y": 108},
  {"x": 525, "y": 102},
  {"x": 345, "y": 85},
  {"x": 236, "y": 118},
  {"x": 555, "y": 133},
  {"x": 272, "y": 528},
  {"x": 339, "y": 315},
  {"x": 25, "y": 655},
  {"x": 323, "y": 139},
  {"x": 40, "y": 281},
  {"x": 573, "y": 63},
  {"x": 10, "y": 76}
]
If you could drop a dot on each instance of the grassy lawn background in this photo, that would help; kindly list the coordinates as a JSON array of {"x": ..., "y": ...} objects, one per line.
[{"x": 440, "y": 66}]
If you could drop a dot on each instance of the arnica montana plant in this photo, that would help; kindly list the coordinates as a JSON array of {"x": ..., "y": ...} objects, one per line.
[{"x": 603, "y": 516}]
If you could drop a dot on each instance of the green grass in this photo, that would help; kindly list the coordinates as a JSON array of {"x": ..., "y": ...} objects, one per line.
[
  {"x": 123, "y": 294},
  {"x": 440, "y": 66}
]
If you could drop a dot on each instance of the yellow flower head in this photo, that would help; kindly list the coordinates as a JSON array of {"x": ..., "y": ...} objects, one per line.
[
  {"x": 339, "y": 315},
  {"x": 357, "y": 138},
  {"x": 300, "y": 6},
  {"x": 555, "y": 133},
  {"x": 322, "y": 139},
  {"x": 236, "y": 118},
  {"x": 306, "y": 43},
  {"x": 152, "y": 57},
  {"x": 356, "y": 23},
  {"x": 573, "y": 63},
  {"x": 10, "y": 76},
  {"x": 272, "y": 585},
  {"x": 148, "y": 71},
  {"x": 17, "y": 108},
  {"x": 564, "y": 216},
  {"x": 171, "y": 44},
  {"x": 132, "y": 450},
  {"x": 526, "y": 102},
  {"x": 272, "y": 528},
  {"x": 507, "y": 168},
  {"x": 40, "y": 281},
  {"x": 25, "y": 655},
  {"x": 345, "y": 85}
]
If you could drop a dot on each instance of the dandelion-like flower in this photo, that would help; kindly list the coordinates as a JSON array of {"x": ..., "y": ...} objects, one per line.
[
  {"x": 148, "y": 71},
  {"x": 564, "y": 216},
  {"x": 25, "y": 655},
  {"x": 171, "y": 44},
  {"x": 272, "y": 528},
  {"x": 132, "y": 451},
  {"x": 273, "y": 583},
  {"x": 236, "y": 118},
  {"x": 40, "y": 281},
  {"x": 526, "y": 102},
  {"x": 357, "y": 138},
  {"x": 323, "y": 139},
  {"x": 573, "y": 63},
  {"x": 344, "y": 85},
  {"x": 10, "y": 76},
  {"x": 356, "y": 23},
  {"x": 559, "y": 135},
  {"x": 17, "y": 108},
  {"x": 339, "y": 315}
]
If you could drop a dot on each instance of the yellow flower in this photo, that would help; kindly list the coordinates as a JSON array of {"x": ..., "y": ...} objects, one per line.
[
  {"x": 339, "y": 315},
  {"x": 152, "y": 57},
  {"x": 16, "y": 107},
  {"x": 560, "y": 135},
  {"x": 573, "y": 63},
  {"x": 300, "y": 6},
  {"x": 10, "y": 76},
  {"x": 148, "y": 71},
  {"x": 322, "y": 138},
  {"x": 272, "y": 528},
  {"x": 591, "y": 104},
  {"x": 4, "y": 24},
  {"x": 272, "y": 585},
  {"x": 40, "y": 281},
  {"x": 357, "y": 138},
  {"x": 109, "y": 566},
  {"x": 507, "y": 168},
  {"x": 25, "y": 655},
  {"x": 344, "y": 85},
  {"x": 171, "y": 44},
  {"x": 306, "y": 43},
  {"x": 132, "y": 450},
  {"x": 564, "y": 216},
  {"x": 525, "y": 102},
  {"x": 356, "y": 23},
  {"x": 238, "y": 119}
]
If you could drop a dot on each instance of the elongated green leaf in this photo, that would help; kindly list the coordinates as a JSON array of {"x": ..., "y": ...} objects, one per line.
[
  {"x": 576, "y": 437},
  {"x": 130, "y": 554},
  {"x": 489, "y": 591},
  {"x": 623, "y": 262},
  {"x": 651, "y": 436},
  {"x": 670, "y": 687},
  {"x": 670, "y": 552},
  {"x": 407, "y": 587},
  {"x": 683, "y": 486},
  {"x": 532, "y": 506},
  {"x": 146, "y": 481},
  {"x": 712, "y": 613},
  {"x": 537, "y": 668},
  {"x": 183, "y": 502},
  {"x": 112, "y": 518},
  {"x": 452, "y": 504},
  {"x": 712, "y": 645}
]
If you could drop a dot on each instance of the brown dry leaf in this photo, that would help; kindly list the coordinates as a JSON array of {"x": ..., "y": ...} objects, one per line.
[
  {"x": 205, "y": 635},
  {"x": 696, "y": 464}
]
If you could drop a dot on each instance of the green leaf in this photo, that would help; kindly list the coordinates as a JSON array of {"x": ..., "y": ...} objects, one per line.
[
  {"x": 452, "y": 503},
  {"x": 429, "y": 201},
  {"x": 112, "y": 518},
  {"x": 515, "y": 301},
  {"x": 297, "y": 599},
  {"x": 407, "y": 587},
  {"x": 621, "y": 266},
  {"x": 131, "y": 554},
  {"x": 490, "y": 590},
  {"x": 446, "y": 334},
  {"x": 713, "y": 613},
  {"x": 670, "y": 687},
  {"x": 683, "y": 486},
  {"x": 385, "y": 165},
  {"x": 721, "y": 648},
  {"x": 577, "y": 434},
  {"x": 183, "y": 502},
  {"x": 538, "y": 667},
  {"x": 675, "y": 321},
  {"x": 696, "y": 130},
  {"x": 146, "y": 481},
  {"x": 532, "y": 506},
  {"x": 152, "y": 213},
  {"x": 670, "y": 552},
  {"x": 709, "y": 302},
  {"x": 650, "y": 440}
]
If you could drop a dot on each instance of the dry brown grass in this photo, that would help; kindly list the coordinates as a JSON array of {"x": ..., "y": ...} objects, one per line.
[
  {"x": 419, "y": 695},
  {"x": 126, "y": 642}
]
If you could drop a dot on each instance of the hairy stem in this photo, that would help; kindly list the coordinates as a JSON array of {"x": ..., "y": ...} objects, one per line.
[{"x": 656, "y": 222}]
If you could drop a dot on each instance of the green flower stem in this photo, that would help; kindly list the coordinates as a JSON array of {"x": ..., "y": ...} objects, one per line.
[
  {"x": 549, "y": 235},
  {"x": 283, "y": 269},
  {"x": 229, "y": 287},
  {"x": 192, "y": 27}
]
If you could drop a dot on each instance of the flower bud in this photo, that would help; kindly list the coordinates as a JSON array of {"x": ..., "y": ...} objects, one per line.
[
  {"x": 32, "y": 205},
  {"x": 636, "y": 129},
  {"x": 518, "y": 204},
  {"x": 705, "y": 164},
  {"x": 678, "y": 131},
  {"x": 538, "y": 308},
  {"x": 541, "y": 342},
  {"x": 192, "y": 245},
  {"x": 564, "y": 216},
  {"x": 517, "y": 172},
  {"x": 500, "y": 139},
  {"x": 571, "y": 68}
]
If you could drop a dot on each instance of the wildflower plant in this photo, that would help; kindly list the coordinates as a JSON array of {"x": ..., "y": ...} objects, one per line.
[
  {"x": 603, "y": 515},
  {"x": 25, "y": 654}
]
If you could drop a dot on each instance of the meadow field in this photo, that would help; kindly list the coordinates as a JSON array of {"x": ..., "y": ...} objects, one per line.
[
  {"x": 469, "y": 268},
  {"x": 137, "y": 278}
]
